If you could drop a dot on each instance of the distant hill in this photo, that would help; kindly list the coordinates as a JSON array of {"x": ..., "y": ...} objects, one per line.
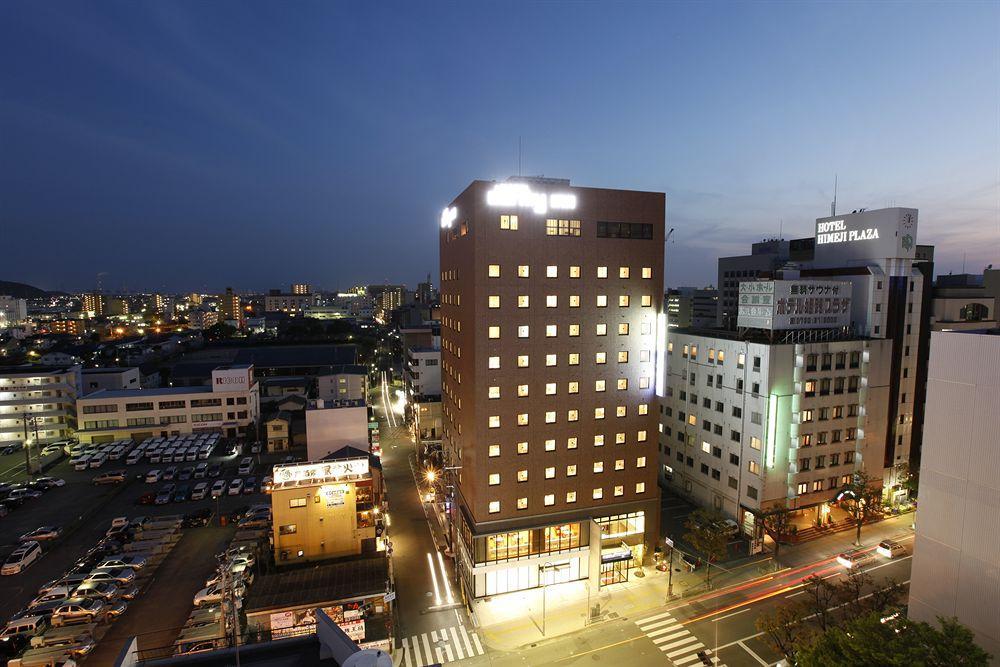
[{"x": 20, "y": 290}]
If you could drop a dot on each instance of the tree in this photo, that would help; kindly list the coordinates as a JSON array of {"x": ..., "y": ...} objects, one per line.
[
  {"x": 220, "y": 331},
  {"x": 777, "y": 522},
  {"x": 783, "y": 627},
  {"x": 870, "y": 640},
  {"x": 861, "y": 500},
  {"x": 707, "y": 534}
]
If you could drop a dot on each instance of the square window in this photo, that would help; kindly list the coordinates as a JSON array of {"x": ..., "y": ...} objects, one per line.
[
  {"x": 599, "y": 440},
  {"x": 522, "y": 331},
  {"x": 622, "y": 383},
  {"x": 598, "y": 493},
  {"x": 601, "y": 357},
  {"x": 619, "y": 438},
  {"x": 522, "y": 361},
  {"x": 645, "y": 301},
  {"x": 522, "y": 475},
  {"x": 550, "y": 472},
  {"x": 551, "y": 330},
  {"x": 571, "y": 442},
  {"x": 599, "y": 385},
  {"x": 550, "y": 388},
  {"x": 647, "y": 272},
  {"x": 623, "y": 300},
  {"x": 602, "y": 272},
  {"x": 522, "y": 419},
  {"x": 494, "y": 421},
  {"x": 641, "y": 436},
  {"x": 640, "y": 487},
  {"x": 494, "y": 506},
  {"x": 494, "y": 392},
  {"x": 522, "y": 390},
  {"x": 574, "y": 300},
  {"x": 619, "y": 490},
  {"x": 572, "y": 415},
  {"x": 602, "y": 329},
  {"x": 574, "y": 272},
  {"x": 494, "y": 271},
  {"x": 550, "y": 417},
  {"x": 571, "y": 496},
  {"x": 522, "y": 503},
  {"x": 494, "y": 479},
  {"x": 619, "y": 464},
  {"x": 598, "y": 413},
  {"x": 623, "y": 272},
  {"x": 551, "y": 301},
  {"x": 522, "y": 301},
  {"x": 620, "y": 411},
  {"x": 574, "y": 330},
  {"x": 494, "y": 301},
  {"x": 623, "y": 328},
  {"x": 598, "y": 466},
  {"x": 494, "y": 332},
  {"x": 550, "y": 359},
  {"x": 643, "y": 383},
  {"x": 551, "y": 271},
  {"x": 573, "y": 387},
  {"x": 643, "y": 408},
  {"x": 522, "y": 271},
  {"x": 571, "y": 470},
  {"x": 602, "y": 300},
  {"x": 549, "y": 499},
  {"x": 643, "y": 355},
  {"x": 623, "y": 356},
  {"x": 550, "y": 445},
  {"x": 494, "y": 451},
  {"x": 574, "y": 359},
  {"x": 640, "y": 462},
  {"x": 522, "y": 448}
]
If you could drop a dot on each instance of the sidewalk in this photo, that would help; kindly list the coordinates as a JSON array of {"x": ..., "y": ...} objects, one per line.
[{"x": 513, "y": 620}]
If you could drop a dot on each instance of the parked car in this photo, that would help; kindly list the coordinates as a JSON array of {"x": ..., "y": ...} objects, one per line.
[
  {"x": 23, "y": 493},
  {"x": 218, "y": 488},
  {"x": 41, "y": 534},
  {"x": 134, "y": 562},
  {"x": 250, "y": 486},
  {"x": 154, "y": 476},
  {"x": 236, "y": 486},
  {"x": 213, "y": 594},
  {"x": 182, "y": 493},
  {"x": 215, "y": 470},
  {"x": 110, "y": 477},
  {"x": 165, "y": 495},
  {"x": 122, "y": 575},
  {"x": 170, "y": 473},
  {"x": 197, "y": 519},
  {"x": 253, "y": 522},
  {"x": 200, "y": 491},
  {"x": 890, "y": 549},
  {"x": 186, "y": 473},
  {"x": 78, "y": 610},
  {"x": 856, "y": 559},
  {"x": 51, "y": 482},
  {"x": 246, "y": 465},
  {"x": 102, "y": 590},
  {"x": 55, "y": 593},
  {"x": 21, "y": 558},
  {"x": 97, "y": 460},
  {"x": 267, "y": 484},
  {"x": 201, "y": 470}
]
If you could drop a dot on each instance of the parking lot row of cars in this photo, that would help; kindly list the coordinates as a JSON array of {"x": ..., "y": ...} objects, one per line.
[
  {"x": 69, "y": 614},
  {"x": 14, "y": 495},
  {"x": 192, "y": 447}
]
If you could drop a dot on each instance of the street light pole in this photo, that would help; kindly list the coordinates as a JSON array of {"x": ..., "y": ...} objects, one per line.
[{"x": 670, "y": 570}]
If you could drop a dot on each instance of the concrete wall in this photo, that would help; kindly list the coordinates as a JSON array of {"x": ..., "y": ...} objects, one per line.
[{"x": 330, "y": 429}]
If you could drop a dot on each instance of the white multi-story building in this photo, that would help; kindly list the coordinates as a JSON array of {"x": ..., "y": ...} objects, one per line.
[
  {"x": 112, "y": 378},
  {"x": 956, "y": 555},
  {"x": 229, "y": 406},
  {"x": 343, "y": 383},
  {"x": 44, "y": 396},
  {"x": 12, "y": 311}
]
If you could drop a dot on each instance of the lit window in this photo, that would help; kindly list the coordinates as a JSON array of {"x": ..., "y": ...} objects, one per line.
[
  {"x": 753, "y": 467},
  {"x": 601, "y": 357},
  {"x": 508, "y": 222},
  {"x": 643, "y": 382},
  {"x": 619, "y": 464},
  {"x": 602, "y": 329},
  {"x": 619, "y": 438},
  {"x": 640, "y": 462},
  {"x": 574, "y": 359},
  {"x": 522, "y": 503},
  {"x": 622, "y": 383},
  {"x": 706, "y": 447},
  {"x": 643, "y": 355},
  {"x": 599, "y": 385},
  {"x": 598, "y": 466},
  {"x": 551, "y": 271},
  {"x": 571, "y": 470},
  {"x": 522, "y": 448},
  {"x": 494, "y": 301},
  {"x": 522, "y": 301},
  {"x": 522, "y": 419},
  {"x": 522, "y": 475},
  {"x": 623, "y": 300},
  {"x": 550, "y": 417},
  {"x": 623, "y": 328},
  {"x": 598, "y": 413},
  {"x": 620, "y": 411},
  {"x": 754, "y": 443},
  {"x": 722, "y": 356},
  {"x": 551, "y": 330},
  {"x": 599, "y": 440},
  {"x": 641, "y": 436},
  {"x": 619, "y": 490},
  {"x": 574, "y": 300},
  {"x": 643, "y": 408},
  {"x": 571, "y": 496},
  {"x": 550, "y": 360},
  {"x": 494, "y": 271},
  {"x": 574, "y": 330},
  {"x": 640, "y": 487},
  {"x": 522, "y": 271},
  {"x": 494, "y": 421},
  {"x": 522, "y": 361},
  {"x": 550, "y": 388},
  {"x": 549, "y": 499},
  {"x": 571, "y": 442},
  {"x": 551, "y": 301},
  {"x": 602, "y": 272},
  {"x": 645, "y": 301},
  {"x": 598, "y": 493},
  {"x": 692, "y": 420},
  {"x": 623, "y": 272},
  {"x": 494, "y": 392},
  {"x": 647, "y": 272},
  {"x": 494, "y": 332},
  {"x": 602, "y": 300},
  {"x": 522, "y": 390},
  {"x": 550, "y": 445},
  {"x": 550, "y": 472},
  {"x": 623, "y": 356},
  {"x": 573, "y": 387},
  {"x": 572, "y": 415},
  {"x": 574, "y": 272},
  {"x": 494, "y": 506},
  {"x": 494, "y": 451},
  {"x": 494, "y": 479},
  {"x": 522, "y": 331}
]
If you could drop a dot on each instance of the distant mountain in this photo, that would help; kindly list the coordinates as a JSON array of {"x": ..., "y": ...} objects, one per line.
[{"x": 20, "y": 290}]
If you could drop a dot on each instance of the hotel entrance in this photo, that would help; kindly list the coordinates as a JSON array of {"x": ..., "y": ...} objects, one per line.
[{"x": 616, "y": 564}]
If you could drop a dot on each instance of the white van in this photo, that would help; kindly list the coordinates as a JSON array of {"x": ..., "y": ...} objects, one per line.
[
  {"x": 20, "y": 558},
  {"x": 81, "y": 462},
  {"x": 97, "y": 460},
  {"x": 246, "y": 465},
  {"x": 134, "y": 457},
  {"x": 153, "y": 476}
]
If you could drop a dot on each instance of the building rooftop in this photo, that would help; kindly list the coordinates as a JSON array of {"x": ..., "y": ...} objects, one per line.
[
  {"x": 778, "y": 337},
  {"x": 144, "y": 393},
  {"x": 315, "y": 584},
  {"x": 34, "y": 370},
  {"x": 107, "y": 369}
]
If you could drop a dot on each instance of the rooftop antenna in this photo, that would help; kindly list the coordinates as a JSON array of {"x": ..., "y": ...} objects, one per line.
[
  {"x": 833, "y": 204},
  {"x": 781, "y": 225}
]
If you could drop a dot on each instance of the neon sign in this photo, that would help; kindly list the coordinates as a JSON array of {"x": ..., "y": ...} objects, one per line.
[
  {"x": 836, "y": 231},
  {"x": 519, "y": 194}
]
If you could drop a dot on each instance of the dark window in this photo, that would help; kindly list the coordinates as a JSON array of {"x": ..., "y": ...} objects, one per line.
[{"x": 624, "y": 230}]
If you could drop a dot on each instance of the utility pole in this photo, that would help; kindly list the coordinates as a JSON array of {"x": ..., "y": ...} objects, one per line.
[{"x": 670, "y": 570}]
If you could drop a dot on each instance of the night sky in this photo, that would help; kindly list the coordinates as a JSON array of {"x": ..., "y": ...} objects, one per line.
[{"x": 192, "y": 145}]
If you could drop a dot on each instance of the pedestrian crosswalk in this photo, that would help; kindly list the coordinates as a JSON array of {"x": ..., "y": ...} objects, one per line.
[
  {"x": 674, "y": 640},
  {"x": 439, "y": 647}
]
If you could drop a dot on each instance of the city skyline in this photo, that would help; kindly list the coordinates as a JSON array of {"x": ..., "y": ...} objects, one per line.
[{"x": 140, "y": 135}]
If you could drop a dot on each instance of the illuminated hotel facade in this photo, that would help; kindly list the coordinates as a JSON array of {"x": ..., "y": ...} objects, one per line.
[
  {"x": 793, "y": 401},
  {"x": 550, "y": 303}
]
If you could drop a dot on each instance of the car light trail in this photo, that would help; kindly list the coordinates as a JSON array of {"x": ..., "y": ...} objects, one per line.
[
  {"x": 434, "y": 578},
  {"x": 444, "y": 579}
]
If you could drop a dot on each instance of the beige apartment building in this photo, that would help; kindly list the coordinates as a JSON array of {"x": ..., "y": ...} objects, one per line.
[{"x": 550, "y": 296}]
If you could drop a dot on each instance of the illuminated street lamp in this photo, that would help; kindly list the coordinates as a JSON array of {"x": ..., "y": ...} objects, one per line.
[{"x": 431, "y": 475}]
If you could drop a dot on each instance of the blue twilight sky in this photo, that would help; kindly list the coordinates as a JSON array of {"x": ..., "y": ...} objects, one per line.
[{"x": 193, "y": 145}]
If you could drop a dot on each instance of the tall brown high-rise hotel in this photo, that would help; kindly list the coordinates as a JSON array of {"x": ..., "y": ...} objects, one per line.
[{"x": 550, "y": 296}]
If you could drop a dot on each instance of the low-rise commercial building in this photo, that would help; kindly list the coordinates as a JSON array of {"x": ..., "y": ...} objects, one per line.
[
  {"x": 343, "y": 383},
  {"x": 230, "y": 406},
  {"x": 110, "y": 378},
  {"x": 38, "y": 403}
]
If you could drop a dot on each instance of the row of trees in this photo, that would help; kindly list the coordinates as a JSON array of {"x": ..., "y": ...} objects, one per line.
[{"x": 858, "y": 622}]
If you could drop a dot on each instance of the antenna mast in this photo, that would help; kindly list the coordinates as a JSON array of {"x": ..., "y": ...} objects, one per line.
[{"x": 833, "y": 204}]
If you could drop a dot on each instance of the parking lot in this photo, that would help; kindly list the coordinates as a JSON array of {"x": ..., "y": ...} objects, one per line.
[{"x": 84, "y": 512}]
